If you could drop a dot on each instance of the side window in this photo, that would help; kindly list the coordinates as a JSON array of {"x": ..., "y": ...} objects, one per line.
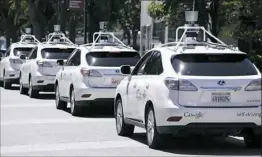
[
  {"x": 75, "y": 60},
  {"x": 33, "y": 54},
  {"x": 154, "y": 65},
  {"x": 139, "y": 67},
  {"x": 8, "y": 52}
]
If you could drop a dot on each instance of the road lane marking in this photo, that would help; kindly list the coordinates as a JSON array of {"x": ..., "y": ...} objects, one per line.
[
  {"x": 70, "y": 146},
  {"x": 27, "y": 105},
  {"x": 55, "y": 121}
]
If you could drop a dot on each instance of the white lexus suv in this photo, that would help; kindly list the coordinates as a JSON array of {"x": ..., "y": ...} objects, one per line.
[
  {"x": 92, "y": 73},
  {"x": 191, "y": 87},
  {"x": 11, "y": 63},
  {"x": 39, "y": 70}
]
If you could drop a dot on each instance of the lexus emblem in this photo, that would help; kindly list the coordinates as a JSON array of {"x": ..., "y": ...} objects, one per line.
[
  {"x": 117, "y": 71},
  {"x": 221, "y": 82}
]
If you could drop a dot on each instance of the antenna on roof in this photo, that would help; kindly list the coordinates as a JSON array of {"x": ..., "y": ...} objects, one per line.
[
  {"x": 104, "y": 38},
  {"x": 58, "y": 37},
  {"x": 27, "y": 38},
  {"x": 191, "y": 30}
]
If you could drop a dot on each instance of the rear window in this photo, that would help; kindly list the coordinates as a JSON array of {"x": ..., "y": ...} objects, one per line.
[
  {"x": 22, "y": 51},
  {"x": 56, "y": 53},
  {"x": 114, "y": 59},
  {"x": 213, "y": 65}
]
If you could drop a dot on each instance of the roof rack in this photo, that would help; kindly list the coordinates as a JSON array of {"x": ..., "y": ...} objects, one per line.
[
  {"x": 27, "y": 38},
  {"x": 103, "y": 35},
  {"x": 102, "y": 39},
  {"x": 190, "y": 34},
  {"x": 58, "y": 37}
]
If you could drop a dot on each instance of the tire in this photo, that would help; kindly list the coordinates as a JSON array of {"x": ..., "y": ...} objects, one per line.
[
  {"x": 6, "y": 85},
  {"x": 22, "y": 89},
  {"x": 122, "y": 128},
  {"x": 31, "y": 91},
  {"x": 1, "y": 83},
  {"x": 60, "y": 105},
  {"x": 154, "y": 139},
  {"x": 74, "y": 107},
  {"x": 253, "y": 141}
]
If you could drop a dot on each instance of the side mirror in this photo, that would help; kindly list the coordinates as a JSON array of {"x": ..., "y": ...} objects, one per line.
[
  {"x": 23, "y": 57},
  {"x": 60, "y": 62},
  {"x": 125, "y": 69}
]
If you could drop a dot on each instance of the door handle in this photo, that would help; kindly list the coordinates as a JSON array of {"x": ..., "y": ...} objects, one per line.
[
  {"x": 134, "y": 86},
  {"x": 147, "y": 86}
]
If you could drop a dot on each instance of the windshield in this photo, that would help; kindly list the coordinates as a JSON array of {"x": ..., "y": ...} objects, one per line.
[
  {"x": 22, "y": 51},
  {"x": 112, "y": 59},
  {"x": 56, "y": 53},
  {"x": 213, "y": 65}
]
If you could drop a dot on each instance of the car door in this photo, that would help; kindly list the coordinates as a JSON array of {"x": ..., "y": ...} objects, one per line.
[
  {"x": 148, "y": 84},
  {"x": 68, "y": 72},
  {"x": 3, "y": 62},
  {"x": 133, "y": 87},
  {"x": 26, "y": 67}
]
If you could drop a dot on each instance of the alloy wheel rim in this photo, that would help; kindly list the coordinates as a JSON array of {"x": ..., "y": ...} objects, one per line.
[
  {"x": 119, "y": 117},
  {"x": 21, "y": 86},
  {"x": 72, "y": 103},
  {"x": 150, "y": 127},
  {"x": 30, "y": 87},
  {"x": 57, "y": 96}
]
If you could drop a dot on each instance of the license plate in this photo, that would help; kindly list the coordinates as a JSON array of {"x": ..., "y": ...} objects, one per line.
[
  {"x": 222, "y": 97},
  {"x": 115, "y": 81}
]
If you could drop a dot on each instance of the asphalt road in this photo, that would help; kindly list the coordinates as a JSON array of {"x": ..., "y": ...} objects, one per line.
[{"x": 33, "y": 127}]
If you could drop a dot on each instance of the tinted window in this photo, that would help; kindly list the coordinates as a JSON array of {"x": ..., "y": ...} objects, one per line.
[
  {"x": 25, "y": 51},
  {"x": 75, "y": 59},
  {"x": 213, "y": 65},
  {"x": 139, "y": 68},
  {"x": 112, "y": 59},
  {"x": 154, "y": 65},
  {"x": 56, "y": 53},
  {"x": 33, "y": 55}
]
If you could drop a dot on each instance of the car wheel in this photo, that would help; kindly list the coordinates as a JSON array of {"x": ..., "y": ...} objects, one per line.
[
  {"x": 22, "y": 89},
  {"x": 6, "y": 85},
  {"x": 154, "y": 139},
  {"x": 32, "y": 92},
  {"x": 75, "y": 109},
  {"x": 122, "y": 128},
  {"x": 253, "y": 141},
  {"x": 61, "y": 105}
]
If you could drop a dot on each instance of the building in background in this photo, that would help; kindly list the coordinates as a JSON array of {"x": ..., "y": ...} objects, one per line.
[{"x": 152, "y": 32}]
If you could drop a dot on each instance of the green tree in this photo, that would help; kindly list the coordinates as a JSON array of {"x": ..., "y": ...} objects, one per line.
[{"x": 128, "y": 16}]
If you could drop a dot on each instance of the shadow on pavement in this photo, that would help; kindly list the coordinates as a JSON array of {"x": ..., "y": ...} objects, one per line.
[
  {"x": 93, "y": 111},
  {"x": 13, "y": 88},
  {"x": 45, "y": 96},
  {"x": 203, "y": 146}
]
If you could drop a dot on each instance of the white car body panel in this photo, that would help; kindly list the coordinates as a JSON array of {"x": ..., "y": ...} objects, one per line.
[
  {"x": 42, "y": 75},
  {"x": 99, "y": 88},
  {"x": 12, "y": 70},
  {"x": 192, "y": 106}
]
